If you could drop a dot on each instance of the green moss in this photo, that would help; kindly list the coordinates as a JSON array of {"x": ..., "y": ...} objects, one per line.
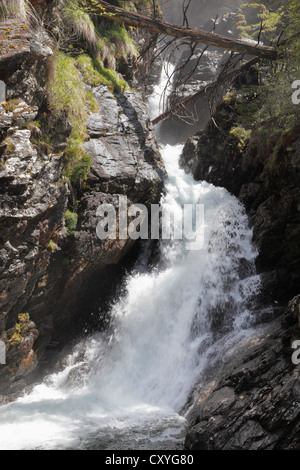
[
  {"x": 52, "y": 246},
  {"x": 71, "y": 219},
  {"x": 94, "y": 74},
  {"x": 241, "y": 134},
  {"x": 20, "y": 329}
]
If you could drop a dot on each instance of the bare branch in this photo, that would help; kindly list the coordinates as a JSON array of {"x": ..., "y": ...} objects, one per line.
[{"x": 205, "y": 91}]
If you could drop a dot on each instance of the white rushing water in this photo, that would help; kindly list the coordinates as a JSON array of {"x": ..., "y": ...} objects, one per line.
[{"x": 124, "y": 388}]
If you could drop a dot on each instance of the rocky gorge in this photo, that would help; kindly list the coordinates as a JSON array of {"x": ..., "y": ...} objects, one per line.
[
  {"x": 43, "y": 264},
  {"x": 52, "y": 260},
  {"x": 258, "y": 391}
]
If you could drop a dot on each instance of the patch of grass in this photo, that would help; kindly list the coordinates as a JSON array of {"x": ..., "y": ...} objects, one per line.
[
  {"x": 78, "y": 160},
  {"x": 115, "y": 46},
  {"x": 13, "y": 9},
  {"x": 121, "y": 42},
  {"x": 77, "y": 25},
  {"x": 94, "y": 74},
  {"x": 68, "y": 95},
  {"x": 66, "y": 92}
]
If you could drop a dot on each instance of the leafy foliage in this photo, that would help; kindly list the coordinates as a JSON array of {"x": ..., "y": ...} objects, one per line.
[{"x": 268, "y": 110}]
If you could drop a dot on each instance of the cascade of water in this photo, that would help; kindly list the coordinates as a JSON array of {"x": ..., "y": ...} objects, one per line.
[{"x": 166, "y": 327}]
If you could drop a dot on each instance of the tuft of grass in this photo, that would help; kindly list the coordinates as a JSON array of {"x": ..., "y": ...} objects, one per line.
[
  {"x": 115, "y": 46},
  {"x": 52, "y": 246},
  {"x": 13, "y": 9},
  {"x": 78, "y": 161},
  {"x": 21, "y": 10},
  {"x": 67, "y": 95},
  {"x": 79, "y": 26},
  {"x": 66, "y": 92}
]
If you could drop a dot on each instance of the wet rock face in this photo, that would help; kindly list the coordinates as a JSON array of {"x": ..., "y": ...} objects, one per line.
[
  {"x": 254, "y": 402},
  {"x": 21, "y": 43},
  {"x": 125, "y": 162},
  {"x": 43, "y": 270},
  {"x": 33, "y": 203},
  {"x": 15, "y": 39},
  {"x": 125, "y": 155}
]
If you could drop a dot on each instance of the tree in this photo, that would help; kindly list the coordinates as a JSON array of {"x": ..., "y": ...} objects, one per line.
[
  {"x": 158, "y": 26},
  {"x": 268, "y": 24}
]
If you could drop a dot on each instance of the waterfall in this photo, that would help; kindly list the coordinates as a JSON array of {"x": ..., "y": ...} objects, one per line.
[{"x": 124, "y": 388}]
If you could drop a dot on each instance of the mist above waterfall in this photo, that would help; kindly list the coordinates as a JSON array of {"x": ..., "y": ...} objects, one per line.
[{"x": 199, "y": 11}]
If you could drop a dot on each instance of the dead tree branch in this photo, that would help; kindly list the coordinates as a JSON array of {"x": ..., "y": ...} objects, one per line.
[
  {"x": 159, "y": 26},
  {"x": 205, "y": 91}
]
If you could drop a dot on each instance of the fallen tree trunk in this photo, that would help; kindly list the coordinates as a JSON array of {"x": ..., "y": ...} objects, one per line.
[
  {"x": 158, "y": 26},
  {"x": 205, "y": 91}
]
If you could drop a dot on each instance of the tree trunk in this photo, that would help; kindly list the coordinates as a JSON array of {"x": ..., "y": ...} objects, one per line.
[{"x": 162, "y": 27}]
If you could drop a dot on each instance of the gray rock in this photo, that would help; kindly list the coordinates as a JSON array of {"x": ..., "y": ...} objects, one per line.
[
  {"x": 23, "y": 114},
  {"x": 252, "y": 402},
  {"x": 40, "y": 46}
]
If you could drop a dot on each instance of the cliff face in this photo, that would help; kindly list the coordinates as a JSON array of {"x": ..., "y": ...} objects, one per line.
[
  {"x": 49, "y": 249},
  {"x": 253, "y": 401}
]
